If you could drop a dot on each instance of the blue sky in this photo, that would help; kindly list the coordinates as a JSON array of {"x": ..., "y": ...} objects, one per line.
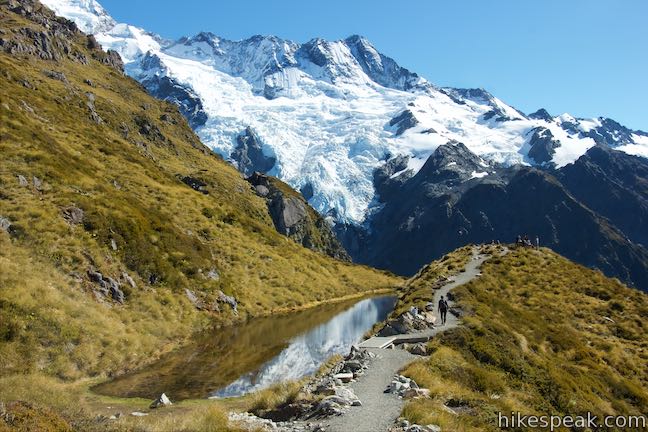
[{"x": 588, "y": 58}]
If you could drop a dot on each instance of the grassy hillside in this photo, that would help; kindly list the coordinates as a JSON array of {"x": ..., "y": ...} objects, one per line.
[
  {"x": 97, "y": 176},
  {"x": 542, "y": 335}
]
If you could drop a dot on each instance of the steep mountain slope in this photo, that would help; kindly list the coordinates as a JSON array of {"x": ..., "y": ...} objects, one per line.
[
  {"x": 328, "y": 114},
  {"x": 540, "y": 335},
  {"x": 116, "y": 224},
  {"x": 292, "y": 216},
  {"x": 613, "y": 184},
  {"x": 458, "y": 198}
]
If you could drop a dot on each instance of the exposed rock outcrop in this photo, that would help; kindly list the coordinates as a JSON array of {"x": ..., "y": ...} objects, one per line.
[
  {"x": 107, "y": 286},
  {"x": 160, "y": 402},
  {"x": 293, "y": 217},
  {"x": 543, "y": 145},
  {"x": 249, "y": 155}
]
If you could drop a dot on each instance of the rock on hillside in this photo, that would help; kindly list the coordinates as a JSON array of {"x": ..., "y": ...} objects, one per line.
[
  {"x": 117, "y": 219},
  {"x": 295, "y": 218}
]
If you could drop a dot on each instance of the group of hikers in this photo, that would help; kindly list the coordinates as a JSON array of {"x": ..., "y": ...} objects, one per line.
[{"x": 526, "y": 242}]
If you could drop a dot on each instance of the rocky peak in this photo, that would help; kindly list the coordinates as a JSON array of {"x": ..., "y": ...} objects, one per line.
[
  {"x": 54, "y": 41},
  {"x": 249, "y": 155},
  {"x": 452, "y": 163},
  {"x": 610, "y": 133},
  {"x": 543, "y": 145},
  {"x": 541, "y": 114},
  {"x": 380, "y": 68}
]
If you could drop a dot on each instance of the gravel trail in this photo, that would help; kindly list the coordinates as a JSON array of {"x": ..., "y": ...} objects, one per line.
[{"x": 380, "y": 410}]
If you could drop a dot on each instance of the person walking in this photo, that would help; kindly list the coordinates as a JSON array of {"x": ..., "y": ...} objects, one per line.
[{"x": 443, "y": 310}]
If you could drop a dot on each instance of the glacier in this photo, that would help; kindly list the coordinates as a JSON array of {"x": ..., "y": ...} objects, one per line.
[{"x": 332, "y": 112}]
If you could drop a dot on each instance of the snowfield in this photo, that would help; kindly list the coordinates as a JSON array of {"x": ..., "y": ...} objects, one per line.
[{"x": 324, "y": 109}]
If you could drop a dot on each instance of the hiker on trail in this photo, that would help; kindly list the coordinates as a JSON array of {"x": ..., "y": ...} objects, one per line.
[{"x": 443, "y": 310}]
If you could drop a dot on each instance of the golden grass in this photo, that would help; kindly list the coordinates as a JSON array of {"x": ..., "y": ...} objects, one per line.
[
  {"x": 167, "y": 236},
  {"x": 417, "y": 290},
  {"x": 82, "y": 410},
  {"x": 546, "y": 336}
]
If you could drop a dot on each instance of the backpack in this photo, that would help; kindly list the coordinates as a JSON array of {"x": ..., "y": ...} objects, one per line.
[{"x": 443, "y": 305}]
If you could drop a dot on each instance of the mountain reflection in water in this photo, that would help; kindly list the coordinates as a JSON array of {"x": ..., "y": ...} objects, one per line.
[{"x": 239, "y": 359}]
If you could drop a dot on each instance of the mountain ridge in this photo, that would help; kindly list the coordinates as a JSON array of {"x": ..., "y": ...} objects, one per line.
[
  {"x": 334, "y": 119},
  {"x": 342, "y": 95}
]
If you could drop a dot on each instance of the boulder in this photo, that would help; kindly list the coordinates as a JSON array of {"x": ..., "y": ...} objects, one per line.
[
  {"x": 5, "y": 224},
  {"x": 193, "y": 298},
  {"x": 419, "y": 349},
  {"x": 160, "y": 402},
  {"x": 73, "y": 215},
  {"x": 415, "y": 393},
  {"x": 115, "y": 290},
  {"x": 38, "y": 183},
  {"x": 262, "y": 190},
  {"x": 213, "y": 274},
  {"x": 327, "y": 407},
  {"x": 352, "y": 366},
  {"x": 22, "y": 181},
  {"x": 345, "y": 396},
  {"x": 229, "y": 300},
  {"x": 129, "y": 280},
  {"x": 344, "y": 377}
]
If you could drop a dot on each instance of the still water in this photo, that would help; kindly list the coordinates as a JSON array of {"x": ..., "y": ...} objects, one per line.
[{"x": 237, "y": 360}]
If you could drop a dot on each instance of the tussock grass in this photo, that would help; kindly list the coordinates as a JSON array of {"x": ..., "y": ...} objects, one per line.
[
  {"x": 166, "y": 236},
  {"x": 418, "y": 290},
  {"x": 71, "y": 407},
  {"x": 546, "y": 336}
]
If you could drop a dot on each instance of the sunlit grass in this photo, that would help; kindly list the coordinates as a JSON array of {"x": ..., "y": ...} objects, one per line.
[{"x": 545, "y": 336}]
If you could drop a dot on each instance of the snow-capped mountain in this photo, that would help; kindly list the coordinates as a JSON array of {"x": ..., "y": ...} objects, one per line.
[{"x": 325, "y": 116}]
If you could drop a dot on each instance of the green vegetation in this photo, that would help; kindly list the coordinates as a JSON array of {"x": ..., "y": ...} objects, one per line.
[
  {"x": 542, "y": 335},
  {"x": 417, "y": 290},
  {"x": 97, "y": 175}
]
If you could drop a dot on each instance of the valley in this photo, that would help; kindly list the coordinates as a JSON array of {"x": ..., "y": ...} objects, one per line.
[{"x": 261, "y": 231}]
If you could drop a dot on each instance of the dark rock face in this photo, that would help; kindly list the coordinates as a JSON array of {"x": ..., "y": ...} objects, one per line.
[
  {"x": 404, "y": 121},
  {"x": 73, "y": 215},
  {"x": 107, "y": 286},
  {"x": 444, "y": 207},
  {"x": 111, "y": 58},
  {"x": 195, "y": 184},
  {"x": 307, "y": 191},
  {"x": 294, "y": 218},
  {"x": 615, "y": 185},
  {"x": 249, "y": 154},
  {"x": 168, "y": 89},
  {"x": 54, "y": 41},
  {"x": 541, "y": 114},
  {"x": 610, "y": 133},
  {"x": 543, "y": 145},
  {"x": 380, "y": 68},
  {"x": 149, "y": 129},
  {"x": 482, "y": 96},
  {"x": 384, "y": 179}
]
